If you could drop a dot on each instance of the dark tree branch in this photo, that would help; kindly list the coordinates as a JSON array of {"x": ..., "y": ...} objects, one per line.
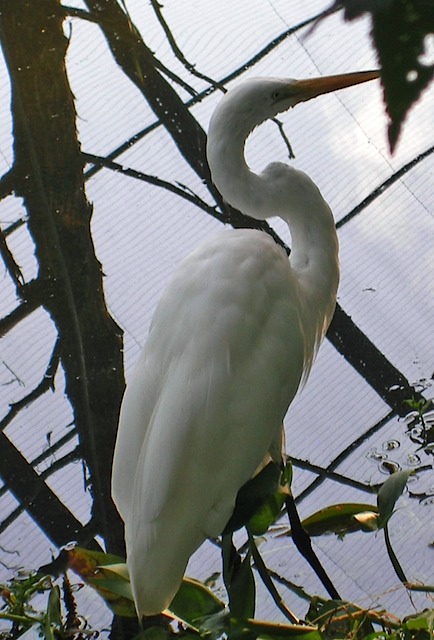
[
  {"x": 220, "y": 84},
  {"x": 269, "y": 585},
  {"x": 49, "y": 176},
  {"x": 302, "y": 541},
  {"x": 50, "y": 514},
  {"x": 343, "y": 455},
  {"x": 327, "y": 474},
  {"x": 131, "y": 54},
  {"x": 32, "y": 300},
  {"x": 157, "y": 182},
  {"x": 390, "y": 384},
  {"x": 140, "y": 65},
  {"x": 378, "y": 191},
  {"x": 47, "y": 383},
  {"x": 7, "y": 184},
  {"x": 11, "y": 266}
]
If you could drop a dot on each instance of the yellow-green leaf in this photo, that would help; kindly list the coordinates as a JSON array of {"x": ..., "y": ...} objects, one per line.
[
  {"x": 339, "y": 519},
  {"x": 108, "y": 575}
]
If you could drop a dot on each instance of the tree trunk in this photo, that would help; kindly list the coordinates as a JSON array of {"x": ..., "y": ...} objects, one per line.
[{"x": 48, "y": 174}]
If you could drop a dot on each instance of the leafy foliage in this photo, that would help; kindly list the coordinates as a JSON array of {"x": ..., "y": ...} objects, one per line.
[
  {"x": 198, "y": 610},
  {"x": 204, "y": 614},
  {"x": 402, "y": 32},
  {"x": 57, "y": 621},
  {"x": 260, "y": 500}
]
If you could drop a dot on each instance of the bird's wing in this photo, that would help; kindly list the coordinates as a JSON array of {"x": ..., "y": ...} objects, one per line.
[
  {"x": 135, "y": 417},
  {"x": 222, "y": 363}
]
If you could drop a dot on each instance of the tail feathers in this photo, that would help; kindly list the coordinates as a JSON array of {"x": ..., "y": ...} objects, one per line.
[{"x": 157, "y": 556}]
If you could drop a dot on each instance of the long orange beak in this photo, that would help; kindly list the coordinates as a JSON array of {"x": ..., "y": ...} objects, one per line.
[{"x": 313, "y": 87}]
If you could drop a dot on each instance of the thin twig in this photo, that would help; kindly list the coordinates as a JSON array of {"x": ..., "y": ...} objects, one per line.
[
  {"x": 51, "y": 450},
  {"x": 325, "y": 473},
  {"x": 186, "y": 193},
  {"x": 216, "y": 85},
  {"x": 73, "y": 456},
  {"x": 343, "y": 455},
  {"x": 378, "y": 191},
  {"x": 291, "y": 154},
  {"x": 177, "y": 51},
  {"x": 46, "y": 383}
]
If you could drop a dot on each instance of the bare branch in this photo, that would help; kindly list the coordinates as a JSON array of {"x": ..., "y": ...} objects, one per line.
[{"x": 47, "y": 383}]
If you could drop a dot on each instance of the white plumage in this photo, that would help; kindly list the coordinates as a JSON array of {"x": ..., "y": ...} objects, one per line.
[{"x": 234, "y": 334}]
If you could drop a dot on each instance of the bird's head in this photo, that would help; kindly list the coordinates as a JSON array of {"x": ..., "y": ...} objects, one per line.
[{"x": 255, "y": 100}]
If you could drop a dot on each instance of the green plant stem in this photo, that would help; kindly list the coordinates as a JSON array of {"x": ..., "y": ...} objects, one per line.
[
  {"x": 425, "y": 588},
  {"x": 13, "y": 617},
  {"x": 270, "y": 629},
  {"x": 393, "y": 559}
]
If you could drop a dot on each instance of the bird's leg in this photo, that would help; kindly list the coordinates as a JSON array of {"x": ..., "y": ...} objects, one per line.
[{"x": 302, "y": 542}]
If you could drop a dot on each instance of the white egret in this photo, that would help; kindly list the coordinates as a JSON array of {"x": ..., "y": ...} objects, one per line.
[{"x": 234, "y": 334}]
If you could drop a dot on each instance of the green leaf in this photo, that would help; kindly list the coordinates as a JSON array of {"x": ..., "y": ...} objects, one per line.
[
  {"x": 239, "y": 580},
  {"x": 287, "y": 473},
  {"x": 120, "y": 569},
  {"x": 108, "y": 575},
  {"x": 53, "y": 615},
  {"x": 368, "y": 521},
  {"x": 264, "y": 517},
  {"x": 420, "y": 621},
  {"x": 272, "y": 505},
  {"x": 252, "y": 496},
  {"x": 86, "y": 563},
  {"x": 389, "y": 493},
  {"x": 243, "y": 590},
  {"x": 340, "y": 519},
  {"x": 193, "y": 603},
  {"x": 113, "y": 587}
]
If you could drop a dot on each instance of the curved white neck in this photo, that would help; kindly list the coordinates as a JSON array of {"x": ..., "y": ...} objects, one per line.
[{"x": 282, "y": 191}]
